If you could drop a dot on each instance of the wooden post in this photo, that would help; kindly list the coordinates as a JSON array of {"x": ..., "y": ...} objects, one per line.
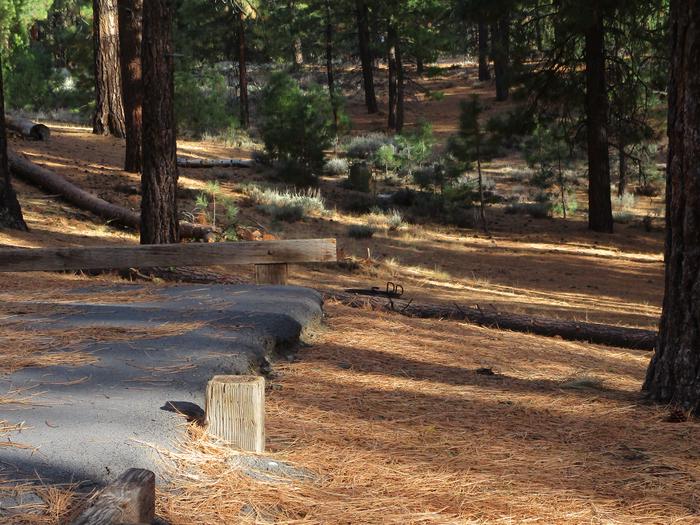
[
  {"x": 235, "y": 408},
  {"x": 272, "y": 274},
  {"x": 129, "y": 500}
]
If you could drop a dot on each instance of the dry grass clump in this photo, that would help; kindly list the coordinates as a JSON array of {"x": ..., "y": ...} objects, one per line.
[
  {"x": 38, "y": 504},
  {"x": 398, "y": 426}
]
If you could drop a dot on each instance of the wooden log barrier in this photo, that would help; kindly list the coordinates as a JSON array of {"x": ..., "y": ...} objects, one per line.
[
  {"x": 235, "y": 411},
  {"x": 130, "y": 500},
  {"x": 168, "y": 255}
]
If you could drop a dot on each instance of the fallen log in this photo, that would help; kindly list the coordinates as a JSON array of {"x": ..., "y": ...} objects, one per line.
[
  {"x": 620, "y": 336},
  {"x": 185, "y": 162},
  {"x": 128, "y": 500},
  {"x": 27, "y": 128},
  {"x": 54, "y": 183}
]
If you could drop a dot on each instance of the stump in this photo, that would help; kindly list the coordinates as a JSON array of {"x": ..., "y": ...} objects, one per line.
[
  {"x": 235, "y": 411},
  {"x": 271, "y": 274}
]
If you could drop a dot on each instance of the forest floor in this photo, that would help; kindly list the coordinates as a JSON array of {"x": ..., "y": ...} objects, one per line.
[{"x": 420, "y": 421}]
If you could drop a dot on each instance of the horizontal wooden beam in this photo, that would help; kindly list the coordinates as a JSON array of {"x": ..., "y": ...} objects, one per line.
[{"x": 187, "y": 254}]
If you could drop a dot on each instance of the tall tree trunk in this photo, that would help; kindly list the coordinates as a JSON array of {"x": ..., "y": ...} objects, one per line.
[
  {"x": 329, "y": 65},
  {"x": 10, "y": 210},
  {"x": 130, "y": 25},
  {"x": 109, "y": 111},
  {"x": 362, "y": 14},
  {"x": 674, "y": 372},
  {"x": 159, "y": 224},
  {"x": 539, "y": 40},
  {"x": 298, "y": 53},
  {"x": 484, "y": 73},
  {"x": 391, "y": 59},
  {"x": 599, "y": 205},
  {"x": 400, "y": 84},
  {"x": 242, "y": 73},
  {"x": 622, "y": 181},
  {"x": 500, "y": 42}
]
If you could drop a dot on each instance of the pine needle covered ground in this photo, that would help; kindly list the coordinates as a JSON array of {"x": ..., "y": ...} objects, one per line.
[{"x": 413, "y": 421}]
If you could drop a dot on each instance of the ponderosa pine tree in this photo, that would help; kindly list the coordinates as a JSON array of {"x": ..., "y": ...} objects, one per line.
[
  {"x": 600, "y": 217},
  {"x": 674, "y": 372},
  {"x": 244, "y": 105},
  {"x": 362, "y": 17},
  {"x": 483, "y": 43},
  {"x": 10, "y": 210},
  {"x": 500, "y": 50},
  {"x": 159, "y": 221},
  {"x": 130, "y": 25},
  {"x": 109, "y": 110}
]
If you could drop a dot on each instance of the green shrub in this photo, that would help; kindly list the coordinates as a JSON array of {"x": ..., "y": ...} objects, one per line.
[
  {"x": 404, "y": 197},
  {"x": 623, "y": 216},
  {"x": 624, "y": 202},
  {"x": 286, "y": 213},
  {"x": 203, "y": 103},
  {"x": 360, "y": 177},
  {"x": 536, "y": 210},
  {"x": 392, "y": 220},
  {"x": 460, "y": 216},
  {"x": 385, "y": 158},
  {"x": 336, "y": 167},
  {"x": 281, "y": 204},
  {"x": 296, "y": 124},
  {"x": 365, "y": 146},
  {"x": 361, "y": 231},
  {"x": 429, "y": 177},
  {"x": 415, "y": 148}
]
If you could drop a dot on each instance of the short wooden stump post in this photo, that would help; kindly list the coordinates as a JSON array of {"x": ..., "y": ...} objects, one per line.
[
  {"x": 235, "y": 411},
  {"x": 277, "y": 273}
]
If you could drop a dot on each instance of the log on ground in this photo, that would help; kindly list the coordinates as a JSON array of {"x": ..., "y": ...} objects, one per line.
[
  {"x": 184, "y": 162},
  {"x": 619, "y": 336},
  {"x": 27, "y": 128},
  {"x": 129, "y": 500},
  {"x": 54, "y": 183}
]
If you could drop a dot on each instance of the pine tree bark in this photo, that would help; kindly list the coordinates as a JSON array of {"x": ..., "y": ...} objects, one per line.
[
  {"x": 622, "y": 180},
  {"x": 391, "y": 60},
  {"x": 109, "y": 111},
  {"x": 400, "y": 87},
  {"x": 243, "y": 73},
  {"x": 362, "y": 14},
  {"x": 329, "y": 65},
  {"x": 599, "y": 204},
  {"x": 130, "y": 25},
  {"x": 500, "y": 41},
  {"x": 10, "y": 210},
  {"x": 159, "y": 223},
  {"x": 674, "y": 372},
  {"x": 484, "y": 73}
]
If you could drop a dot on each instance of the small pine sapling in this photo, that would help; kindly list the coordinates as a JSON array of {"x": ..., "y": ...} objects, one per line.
[
  {"x": 472, "y": 145},
  {"x": 549, "y": 154}
]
